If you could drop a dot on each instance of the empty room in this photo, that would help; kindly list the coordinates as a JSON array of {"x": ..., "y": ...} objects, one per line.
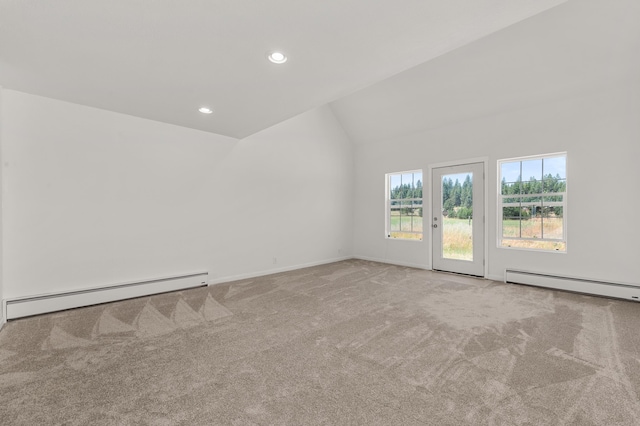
[{"x": 320, "y": 212}]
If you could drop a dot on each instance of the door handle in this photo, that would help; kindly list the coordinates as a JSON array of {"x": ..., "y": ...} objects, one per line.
[{"x": 435, "y": 225}]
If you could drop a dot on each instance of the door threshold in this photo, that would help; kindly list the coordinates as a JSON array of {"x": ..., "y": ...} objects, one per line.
[{"x": 459, "y": 273}]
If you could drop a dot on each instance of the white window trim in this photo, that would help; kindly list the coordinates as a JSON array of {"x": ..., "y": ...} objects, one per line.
[{"x": 564, "y": 205}]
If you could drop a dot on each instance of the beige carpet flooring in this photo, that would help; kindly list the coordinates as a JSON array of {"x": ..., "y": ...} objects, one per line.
[{"x": 349, "y": 343}]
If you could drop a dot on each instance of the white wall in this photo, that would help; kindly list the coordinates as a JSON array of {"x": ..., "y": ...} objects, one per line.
[
  {"x": 96, "y": 198},
  {"x": 600, "y": 131}
]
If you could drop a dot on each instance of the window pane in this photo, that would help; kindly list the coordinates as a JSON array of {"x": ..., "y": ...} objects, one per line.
[
  {"x": 417, "y": 180},
  {"x": 511, "y": 213},
  {"x": 394, "y": 186},
  {"x": 552, "y": 184},
  {"x": 394, "y": 219},
  {"x": 511, "y": 222},
  {"x": 510, "y": 172},
  {"x": 528, "y": 201},
  {"x": 552, "y": 227},
  {"x": 556, "y": 167},
  {"x": 417, "y": 223},
  {"x": 512, "y": 201},
  {"x": 530, "y": 227},
  {"x": 532, "y": 187},
  {"x": 553, "y": 212},
  {"x": 509, "y": 188},
  {"x": 533, "y": 244},
  {"x": 407, "y": 185},
  {"x": 532, "y": 170},
  {"x": 405, "y": 223},
  {"x": 417, "y": 209},
  {"x": 553, "y": 200}
]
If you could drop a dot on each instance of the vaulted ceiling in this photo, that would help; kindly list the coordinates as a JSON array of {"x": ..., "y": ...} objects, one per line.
[
  {"x": 162, "y": 60},
  {"x": 578, "y": 47}
]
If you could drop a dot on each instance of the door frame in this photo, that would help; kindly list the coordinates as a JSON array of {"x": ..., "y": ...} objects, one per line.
[{"x": 429, "y": 205}]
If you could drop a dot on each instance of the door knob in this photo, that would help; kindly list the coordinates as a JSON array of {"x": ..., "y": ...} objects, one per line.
[{"x": 435, "y": 225}]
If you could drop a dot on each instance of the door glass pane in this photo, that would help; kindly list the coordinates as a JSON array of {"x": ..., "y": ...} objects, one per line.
[{"x": 457, "y": 220}]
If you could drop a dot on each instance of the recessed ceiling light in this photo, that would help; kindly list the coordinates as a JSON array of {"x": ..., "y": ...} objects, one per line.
[
  {"x": 205, "y": 110},
  {"x": 277, "y": 58}
]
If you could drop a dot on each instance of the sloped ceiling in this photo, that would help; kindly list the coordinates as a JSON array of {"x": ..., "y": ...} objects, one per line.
[
  {"x": 163, "y": 59},
  {"x": 576, "y": 47}
]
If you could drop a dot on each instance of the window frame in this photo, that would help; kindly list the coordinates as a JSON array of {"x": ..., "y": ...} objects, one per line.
[
  {"x": 564, "y": 203},
  {"x": 388, "y": 206}
]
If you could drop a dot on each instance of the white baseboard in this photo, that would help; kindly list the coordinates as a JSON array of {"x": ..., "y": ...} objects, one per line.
[
  {"x": 262, "y": 273},
  {"x": 625, "y": 291},
  {"x": 52, "y": 302},
  {"x": 495, "y": 278},
  {"x": 393, "y": 262}
]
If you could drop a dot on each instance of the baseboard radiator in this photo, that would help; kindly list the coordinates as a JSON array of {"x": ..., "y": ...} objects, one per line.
[
  {"x": 35, "y": 305},
  {"x": 576, "y": 285}
]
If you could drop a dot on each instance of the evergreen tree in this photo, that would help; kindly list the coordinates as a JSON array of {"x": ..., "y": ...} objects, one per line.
[
  {"x": 467, "y": 193},
  {"x": 418, "y": 194},
  {"x": 457, "y": 194}
]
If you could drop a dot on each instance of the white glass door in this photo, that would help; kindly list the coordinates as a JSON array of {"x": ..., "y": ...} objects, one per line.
[{"x": 457, "y": 219}]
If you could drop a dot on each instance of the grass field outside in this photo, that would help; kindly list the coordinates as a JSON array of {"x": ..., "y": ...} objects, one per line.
[
  {"x": 457, "y": 234},
  {"x": 533, "y": 228},
  {"x": 408, "y": 227},
  {"x": 457, "y": 239}
]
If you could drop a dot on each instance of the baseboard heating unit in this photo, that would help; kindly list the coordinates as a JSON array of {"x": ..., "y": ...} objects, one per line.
[
  {"x": 35, "y": 305},
  {"x": 576, "y": 285}
]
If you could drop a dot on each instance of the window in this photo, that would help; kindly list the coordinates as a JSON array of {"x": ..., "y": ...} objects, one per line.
[
  {"x": 404, "y": 205},
  {"x": 533, "y": 202}
]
